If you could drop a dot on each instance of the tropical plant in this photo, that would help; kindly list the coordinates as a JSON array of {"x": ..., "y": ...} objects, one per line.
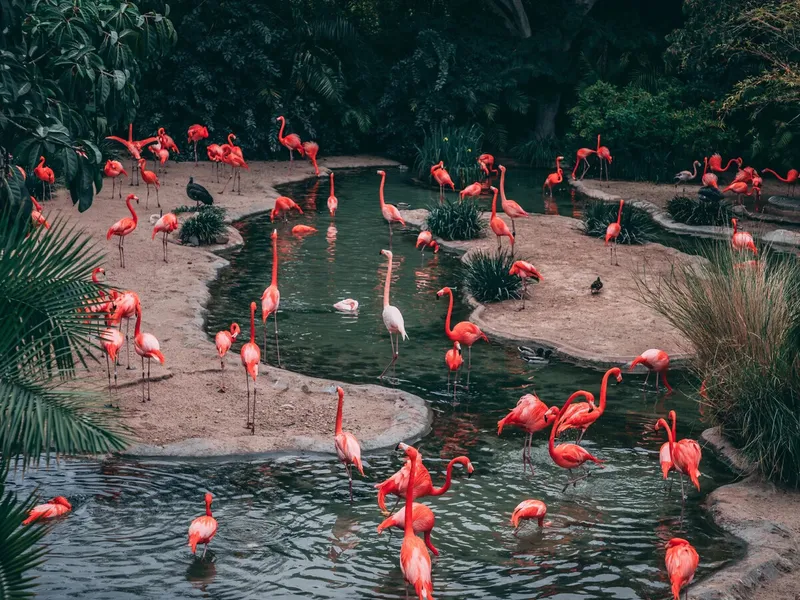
[
  {"x": 637, "y": 226},
  {"x": 699, "y": 211},
  {"x": 205, "y": 226},
  {"x": 455, "y": 220},
  {"x": 539, "y": 152},
  {"x": 743, "y": 320},
  {"x": 486, "y": 276},
  {"x": 459, "y": 149}
]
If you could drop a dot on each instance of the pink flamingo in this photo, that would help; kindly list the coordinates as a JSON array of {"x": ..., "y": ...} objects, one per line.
[
  {"x": 453, "y": 360},
  {"x": 685, "y": 455},
  {"x": 525, "y": 270},
  {"x": 790, "y": 179},
  {"x": 392, "y": 317},
  {"x": 425, "y": 239},
  {"x": 465, "y": 333},
  {"x": 133, "y": 147},
  {"x": 55, "y": 508},
  {"x": 347, "y": 447},
  {"x": 741, "y": 240},
  {"x": 160, "y": 157},
  {"x": 124, "y": 308},
  {"x": 604, "y": 154},
  {"x": 442, "y": 177},
  {"x": 114, "y": 169},
  {"x": 473, "y": 190},
  {"x": 655, "y": 360},
  {"x": 196, "y": 134},
  {"x": 124, "y": 227},
  {"x": 166, "y": 225},
  {"x": 715, "y": 163},
  {"x": 554, "y": 178},
  {"x": 583, "y": 414},
  {"x": 498, "y": 226},
  {"x": 312, "y": 149},
  {"x": 145, "y": 345},
  {"x": 232, "y": 155},
  {"x": 251, "y": 356},
  {"x": 333, "y": 201},
  {"x": 681, "y": 561},
  {"x": 423, "y": 522},
  {"x": 582, "y": 155},
  {"x": 203, "y": 529},
  {"x": 529, "y": 509},
  {"x": 149, "y": 178},
  {"x": 215, "y": 154},
  {"x": 511, "y": 208},
  {"x": 45, "y": 175},
  {"x": 283, "y": 204},
  {"x": 740, "y": 188},
  {"x": 389, "y": 211},
  {"x": 111, "y": 340},
  {"x": 664, "y": 456},
  {"x": 271, "y": 299},
  {"x": 37, "y": 218},
  {"x": 291, "y": 142},
  {"x": 531, "y": 415},
  {"x": 166, "y": 142},
  {"x": 224, "y": 340},
  {"x": 486, "y": 162},
  {"x": 612, "y": 232}
]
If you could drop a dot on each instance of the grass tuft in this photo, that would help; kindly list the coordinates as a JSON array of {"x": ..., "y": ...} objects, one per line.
[
  {"x": 456, "y": 220},
  {"x": 637, "y": 226},
  {"x": 694, "y": 211},
  {"x": 208, "y": 223},
  {"x": 458, "y": 147},
  {"x": 486, "y": 277}
]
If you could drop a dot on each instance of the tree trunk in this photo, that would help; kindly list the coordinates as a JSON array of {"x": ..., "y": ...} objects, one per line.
[
  {"x": 546, "y": 113},
  {"x": 514, "y": 17}
]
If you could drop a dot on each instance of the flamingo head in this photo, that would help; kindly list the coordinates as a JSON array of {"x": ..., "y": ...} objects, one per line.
[
  {"x": 734, "y": 222},
  {"x": 340, "y": 392},
  {"x": 457, "y": 347},
  {"x": 493, "y": 189},
  {"x": 62, "y": 501},
  {"x": 133, "y": 197},
  {"x": 551, "y": 413},
  {"x": 235, "y": 330},
  {"x": 739, "y": 162},
  {"x": 97, "y": 271},
  {"x": 673, "y": 416},
  {"x": 142, "y": 162},
  {"x": 674, "y": 542},
  {"x": 382, "y": 173},
  {"x": 274, "y": 235},
  {"x": 161, "y": 131},
  {"x": 208, "y": 499},
  {"x": 502, "y": 168},
  {"x": 281, "y": 119},
  {"x": 616, "y": 372},
  {"x": 386, "y": 253},
  {"x": 443, "y": 291}
]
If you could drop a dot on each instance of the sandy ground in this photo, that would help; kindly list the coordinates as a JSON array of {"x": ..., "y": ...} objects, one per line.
[
  {"x": 294, "y": 411},
  {"x": 610, "y": 327}
]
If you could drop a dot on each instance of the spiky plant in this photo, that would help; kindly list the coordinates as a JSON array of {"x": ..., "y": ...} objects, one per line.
[
  {"x": 699, "y": 211},
  {"x": 458, "y": 147},
  {"x": 455, "y": 220},
  {"x": 637, "y": 226},
  {"x": 486, "y": 278},
  {"x": 742, "y": 318},
  {"x": 206, "y": 225}
]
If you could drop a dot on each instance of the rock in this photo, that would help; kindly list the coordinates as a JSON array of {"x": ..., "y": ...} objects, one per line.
[
  {"x": 221, "y": 239},
  {"x": 783, "y": 236},
  {"x": 785, "y": 202},
  {"x": 738, "y": 209},
  {"x": 194, "y": 241}
]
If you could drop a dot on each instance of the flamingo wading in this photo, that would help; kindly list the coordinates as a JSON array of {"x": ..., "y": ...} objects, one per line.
[
  {"x": 271, "y": 299},
  {"x": 392, "y": 317},
  {"x": 465, "y": 333}
]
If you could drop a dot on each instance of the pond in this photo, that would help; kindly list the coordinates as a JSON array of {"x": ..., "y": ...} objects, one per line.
[{"x": 287, "y": 528}]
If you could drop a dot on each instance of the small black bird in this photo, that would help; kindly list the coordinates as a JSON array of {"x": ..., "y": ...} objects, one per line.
[
  {"x": 596, "y": 286},
  {"x": 198, "y": 193}
]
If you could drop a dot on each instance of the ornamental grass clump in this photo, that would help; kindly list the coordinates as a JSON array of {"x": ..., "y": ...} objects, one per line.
[
  {"x": 486, "y": 277},
  {"x": 459, "y": 149},
  {"x": 205, "y": 226},
  {"x": 742, "y": 318},
  {"x": 699, "y": 211},
  {"x": 455, "y": 220},
  {"x": 637, "y": 226}
]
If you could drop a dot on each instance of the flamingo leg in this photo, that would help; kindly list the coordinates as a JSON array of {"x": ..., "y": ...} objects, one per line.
[
  {"x": 128, "y": 342},
  {"x": 195, "y": 154},
  {"x": 158, "y": 201},
  {"x": 239, "y": 177},
  {"x": 148, "y": 379},
  {"x": 147, "y": 199},
  {"x": 657, "y": 381},
  {"x": 394, "y": 357},
  {"x": 165, "y": 247},
  {"x": 683, "y": 493},
  {"x": 513, "y": 229},
  {"x": 247, "y": 380},
  {"x": 143, "y": 379},
  {"x": 116, "y": 362},
  {"x": 226, "y": 183},
  {"x": 253, "y": 424},
  {"x": 277, "y": 347},
  {"x": 264, "y": 354},
  {"x": 291, "y": 160},
  {"x": 390, "y": 235},
  {"x": 646, "y": 378},
  {"x": 524, "y": 291},
  {"x": 350, "y": 478},
  {"x": 108, "y": 368},
  {"x": 616, "y": 253},
  {"x": 222, "y": 377},
  {"x": 469, "y": 357},
  {"x": 205, "y": 549}
]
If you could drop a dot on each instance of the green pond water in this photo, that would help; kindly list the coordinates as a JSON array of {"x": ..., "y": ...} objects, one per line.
[{"x": 287, "y": 528}]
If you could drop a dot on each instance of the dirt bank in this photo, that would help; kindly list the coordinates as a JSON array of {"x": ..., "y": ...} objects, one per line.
[
  {"x": 294, "y": 411},
  {"x": 608, "y": 328}
]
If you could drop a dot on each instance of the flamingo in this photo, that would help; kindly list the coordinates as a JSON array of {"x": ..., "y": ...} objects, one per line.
[
  {"x": 423, "y": 522},
  {"x": 114, "y": 169},
  {"x": 486, "y": 162},
  {"x": 160, "y": 156},
  {"x": 195, "y": 134},
  {"x": 203, "y": 529},
  {"x": 525, "y": 270},
  {"x": 715, "y": 163},
  {"x": 531, "y": 415},
  {"x": 473, "y": 190},
  {"x": 613, "y": 230},
  {"x": 442, "y": 177},
  {"x": 55, "y": 508},
  {"x": 133, "y": 147},
  {"x": 232, "y": 155},
  {"x": 604, "y": 154},
  {"x": 465, "y": 333},
  {"x": 215, "y": 155},
  {"x": 111, "y": 340},
  {"x": 745, "y": 175},
  {"x": 291, "y": 142},
  {"x": 125, "y": 308},
  {"x": 312, "y": 149},
  {"x": 425, "y": 239},
  {"x": 415, "y": 562},
  {"x": 790, "y": 179},
  {"x": 251, "y": 356},
  {"x": 124, "y": 227},
  {"x": 145, "y": 345},
  {"x": 283, "y": 204},
  {"x": 149, "y": 178},
  {"x": 655, "y": 360},
  {"x": 37, "y": 218},
  {"x": 583, "y": 414},
  {"x": 389, "y": 211},
  {"x": 301, "y": 230},
  {"x": 166, "y": 142},
  {"x": 757, "y": 182},
  {"x": 554, "y": 178},
  {"x": 166, "y": 225},
  {"x": 392, "y": 317},
  {"x": 529, "y": 509},
  {"x": 739, "y": 188},
  {"x": 664, "y": 456},
  {"x": 511, "y": 208},
  {"x": 271, "y": 299},
  {"x": 582, "y": 155},
  {"x": 570, "y": 456},
  {"x": 741, "y": 240},
  {"x": 453, "y": 360},
  {"x": 681, "y": 561},
  {"x": 333, "y": 201},
  {"x": 685, "y": 455},
  {"x": 224, "y": 340},
  {"x": 423, "y": 486},
  {"x": 497, "y": 224},
  {"x": 45, "y": 175},
  {"x": 347, "y": 447},
  {"x": 685, "y": 176},
  {"x": 347, "y": 305}
]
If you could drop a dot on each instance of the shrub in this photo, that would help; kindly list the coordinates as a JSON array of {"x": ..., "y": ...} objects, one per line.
[
  {"x": 205, "y": 226},
  {"x": 637, "y": 226},
  {"x": 744, "y": 324},
  {"x": 455, "y": 220},
  {"x": 458, "y": 147},
  {"x": 698, "y": 211},
  {"x": 486, "y": 277},
  {"x": 539, "y": 152}
]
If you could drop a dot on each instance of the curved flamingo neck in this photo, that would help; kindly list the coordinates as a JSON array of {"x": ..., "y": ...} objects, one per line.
[
  {"x": 338, "y": 429},
  {"x": 778, "y": 176},
  {"x": 674, "y": 420},
  {"x": 332, "y": 183},
  {"x": 409, "y": 524},
  {"x": 447, "y": 329},
  {"x": 619, "y": 213},
  {"x": 551, "y": 444},
  {"x": 598, "y": 144},
  {"x": 448, "y": 477},
  {"x": 41, "y": 162},
  {"x": 670, "y": 437},
  {"x": 252, "y": 323},
  {"x": 231, "y": 137},
  {"x": 603, "y": 389},
  {"x": 275, "y": 261},
  {"x": 558, "y": 164},
  {"x": 138, "y": 328},
  {"x": 503, "y": 185},
  {"x": 280, "y": 133},
  {"x": 208, "y": 508},
  {"x": 383, "y": 181},
  {"x": 733, "y": 160},
  {"x": 133, "y": 212},
  {"x": 387, "y": 284},
  {"x": 494, "y": 201}
]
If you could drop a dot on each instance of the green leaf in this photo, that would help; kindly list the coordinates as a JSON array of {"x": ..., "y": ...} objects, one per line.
[
  {"x": 119, "y": 79},
  {"x": 24, "y": 89},
  {"x": 69, "y": 161},
  {"x": 104, "y": 86}
]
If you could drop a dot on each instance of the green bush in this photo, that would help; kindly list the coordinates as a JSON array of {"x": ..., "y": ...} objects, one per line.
[
  {"x": 743, "y": 322},
  {"x": 538, "y": 152},
  {"x": 486, "y": 277},
  {"x": 205, "y": 226},
  {"x": 637, "y": 226},
  {"x": 458, "y": 147},
  {"x": 455, "y": 220},
  {"x": 695, "y": 211}
]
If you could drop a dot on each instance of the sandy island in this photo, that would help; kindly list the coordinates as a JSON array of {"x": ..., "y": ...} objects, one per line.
[{"x": 187, "y": 415}]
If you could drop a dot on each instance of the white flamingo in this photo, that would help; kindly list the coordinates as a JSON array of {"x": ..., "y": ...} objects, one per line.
[
  {"x": 392, "y": 317},
  {"x": 686, "y": 176}
]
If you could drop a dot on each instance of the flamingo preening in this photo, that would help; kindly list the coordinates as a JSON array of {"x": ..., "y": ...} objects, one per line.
[
  {"x": 497, "y": 225},
  {"x": 55, "y": 508},
  {"x": 453, "y": 360},
  {"x": 740, "y": 188},
  {"x": 347, "y": 447},
  {"x": 333, "y": 201},
  {"x": 681, "y": 561},
  {"x": 392, "y": 318},
  {"x": 37, "y": 218},
  {"x": 655, "y": 360},
  {"x": 473, "y": 190},
  {"x": 312, "y": 149},
  {"x": 525, "y": 270},
  {"x": 166, "y": 225},
  {"x": 203, "y": 529},
  {"x": 531, "y": 415},
  {"x": 583, "y": 414},
  {"x": 232, "y": 156},
  {"x": 389, "y": 211},
  {"x": 465, "y": 333},
  {"x": 511, "y": 208},
  {"x": 145, "y": 345},
  {"x": 271, "y": 299},
  {"x": 251, "y": 356},
  {"x": 114, "y": 169},
  {"x": 554, "y": 178},
  {"x": 486, "y": 162},
  {"x": 790, "y": 179},
  {"x": 612, "y": 233},
  {"x": 224, "y": 340},
  {"x": 124, "y": 227},
  {"x": 291, "y": 142},
  {"x": 741, "y": 240}
]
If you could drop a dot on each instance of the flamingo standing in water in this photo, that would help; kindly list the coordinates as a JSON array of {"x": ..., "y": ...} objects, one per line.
[
  {"x": 37, "y": 218},
  {"x": 525, "y": 271},
  {"x": 224, "y": 340},
  {"x": 251, "y": 356},
  {"x": 425, "y": 239},
  {"x": 583, "y": 414},
  {"x": 111, "y": 340},
  {"x": 312, "y": 149},
  {"x": 684, "y": 454},
  {"x": 442, "y": 177},
  {"x": 124, "y": 227},
  {"x": 415, "y": 562},
  {"x": 283, "y": 204},
  {"x": 612, "y": 232},
  {"x": 453, "y": 360},
  {"x": 498, "y": 226},
  {"x": 333, "y": 201},
  {"x": 655, "y": 360},
  {"x": 554, "y": 178},
  {"x": 664, "y": 456},
  {"x": 604, "y": 154},
  {"x": 715, "y": 163},
  {"x": 271, "y": 299},
  {"x": 203, "y": 529},
  {"x": 195, "y": 134},
  {"x": 531, "y": 415},
  {"x": 741, "y": 240},
  {"x": 347, "y": 447},
  {"x": 392, "y": 317},
  {"x": 291, "y": 142},
  {"x": 582, "y": 155},
  {"x": 529, "y": 509},
  {"x": 486, "y": 162},
  {"x": 166, "y": 225},
  {"x": 511, "y": 208},
  {"x": 473, "y": 190},
  {"x": 145, "y": 345},
  {"x": 790, "y": 179},
  {"x": 389, "y": 211},
  {"x": 681, "y": 561},
  {"x": 114, "y": 169},
  {"x": 570, "y": 456},
  {"x": 45, "y": 175},
  {"x": 149, "y": 178},
  {"x": 465, "y": 333},
  {"x": 55, "y": 508},
  {"x": 423, "y": 522}
]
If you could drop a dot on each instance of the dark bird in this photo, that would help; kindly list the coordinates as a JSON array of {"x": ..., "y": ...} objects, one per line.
[
  {"x": 198, "y": 193},
  {"x": 596, "y": 286}
]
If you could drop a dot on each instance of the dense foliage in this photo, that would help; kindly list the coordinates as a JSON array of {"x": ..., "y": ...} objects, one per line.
[
  {"x": 636, "y": 225},
  {"x": 205, "y": 226},
  {"x": 458, "y": 147},
  {"x": 486, "y": 277},
  {"x": 459, "y": 220},
  {"x": 699, "y": 211}
]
